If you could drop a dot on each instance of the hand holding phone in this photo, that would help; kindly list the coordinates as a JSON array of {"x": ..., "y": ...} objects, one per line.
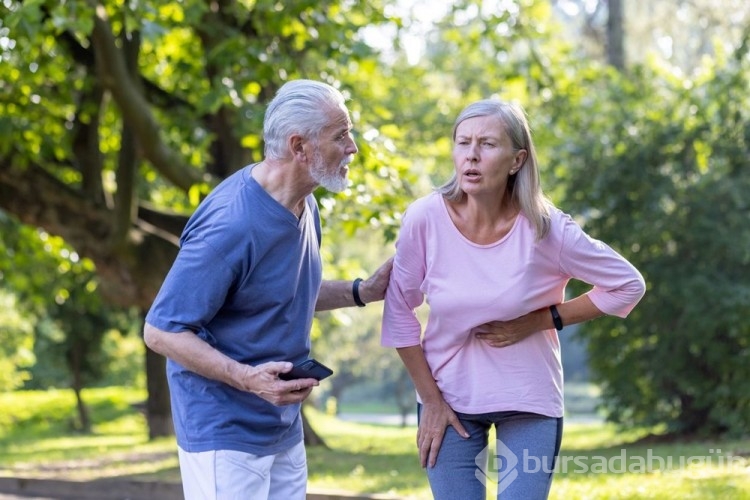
[{"x": 309, "y": 368}]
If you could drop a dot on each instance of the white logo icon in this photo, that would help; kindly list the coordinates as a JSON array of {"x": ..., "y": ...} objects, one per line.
[{"x": 500, "y": 468}]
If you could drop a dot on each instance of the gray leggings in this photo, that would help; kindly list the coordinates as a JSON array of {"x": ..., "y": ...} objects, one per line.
[{"x": 522, "y": 464}]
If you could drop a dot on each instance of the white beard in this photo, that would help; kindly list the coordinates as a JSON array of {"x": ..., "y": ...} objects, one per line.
[{"x": 330, "y": 179}]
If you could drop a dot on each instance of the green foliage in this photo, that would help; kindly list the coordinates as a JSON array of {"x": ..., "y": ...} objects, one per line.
[
  {"x": 16, "y": 344},
  {"x": 656, "y": 165},
  {"x": 653, "y": 162},
  {"x": 59, "y": 321}
]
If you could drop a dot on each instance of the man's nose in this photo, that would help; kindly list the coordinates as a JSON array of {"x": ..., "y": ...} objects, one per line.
[{"x": 352, "y": 149}]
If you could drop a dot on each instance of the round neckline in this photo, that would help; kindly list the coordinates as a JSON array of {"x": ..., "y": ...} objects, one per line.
[{"x": 461, "y": 235}]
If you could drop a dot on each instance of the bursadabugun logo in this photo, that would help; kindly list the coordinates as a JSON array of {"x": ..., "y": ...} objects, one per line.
[
  {"x": 499, "y": 468},
  {"x": 505, "y": 466}
]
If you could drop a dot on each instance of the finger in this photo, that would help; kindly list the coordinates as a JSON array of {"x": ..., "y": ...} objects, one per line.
[
  {"x": 460, "y": 428},
  {"x": 296, "y": 396},
  {"x": 423, "y": 445},
  {"x": 301, "y": 394},
  {"x": 434, "y": 450},
  {"x": 301, "y": 384},
  {"x": 423, "y": 454}
]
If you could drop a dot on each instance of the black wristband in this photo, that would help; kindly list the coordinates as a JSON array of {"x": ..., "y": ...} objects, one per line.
[
  {"x": 556, "y": 319},
  {"x": 355, "y": 292}
]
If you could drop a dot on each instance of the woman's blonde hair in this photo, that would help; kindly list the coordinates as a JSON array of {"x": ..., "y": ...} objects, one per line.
[{"x": 524, "y": 187}]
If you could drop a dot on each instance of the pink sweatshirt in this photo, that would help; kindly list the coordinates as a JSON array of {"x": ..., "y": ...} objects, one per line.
[{"x": 467, "y": 284}]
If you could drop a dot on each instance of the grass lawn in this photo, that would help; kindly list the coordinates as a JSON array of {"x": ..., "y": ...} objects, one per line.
[{"x": 597, "y": 460}]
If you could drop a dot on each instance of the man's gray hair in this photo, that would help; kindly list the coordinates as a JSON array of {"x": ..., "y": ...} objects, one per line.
[{"x": 299, "y": 107}]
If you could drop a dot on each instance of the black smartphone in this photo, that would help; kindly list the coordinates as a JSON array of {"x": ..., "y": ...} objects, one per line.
[{"x": 308, "y": 368}]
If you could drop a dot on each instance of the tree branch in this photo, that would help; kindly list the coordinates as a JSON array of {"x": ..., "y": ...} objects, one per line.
[
  {"x": 85, "y": 144},
  {"x": 131, "y": 273},
  {"x": 134, "y": 108},
  {"x": 126, "y": 196}
]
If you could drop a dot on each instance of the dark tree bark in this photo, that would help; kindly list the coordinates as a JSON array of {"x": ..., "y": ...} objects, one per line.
[
  {"x": 74, "y": 361},
  {"x": 132, "y": 243},
  {"x": 616, "y": 35},
  {"x": 158, "y": 409}
]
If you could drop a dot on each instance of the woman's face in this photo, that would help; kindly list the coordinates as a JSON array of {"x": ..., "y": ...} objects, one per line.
[{"x": 484, "y": 157}]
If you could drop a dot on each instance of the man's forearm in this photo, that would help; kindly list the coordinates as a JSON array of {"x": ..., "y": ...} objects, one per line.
[
  {"x": 193, "y": 353},
  {"x": 342, "y": 293},
  {"x": 335, "y": 294}
]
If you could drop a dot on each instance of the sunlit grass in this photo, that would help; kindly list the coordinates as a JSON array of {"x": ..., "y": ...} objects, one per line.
[
  {"x": 39, "y": 436},
  {"x": 718, "y": 470},
  {"x": 38, "y": 439},
  {"x": 365, "y": 458}
]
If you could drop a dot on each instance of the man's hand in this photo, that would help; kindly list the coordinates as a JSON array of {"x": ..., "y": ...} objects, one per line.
[
  {"x": 340, "y": 293},
  {"x": 373, "y": 288},
  {"x": 263, "y": 380}
]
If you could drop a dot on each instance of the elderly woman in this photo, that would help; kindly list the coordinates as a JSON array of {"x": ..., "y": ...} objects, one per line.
[{"x": 492, "y": 256}]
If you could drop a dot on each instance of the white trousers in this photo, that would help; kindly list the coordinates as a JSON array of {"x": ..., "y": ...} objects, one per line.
[{"x": 234, "y": 475}]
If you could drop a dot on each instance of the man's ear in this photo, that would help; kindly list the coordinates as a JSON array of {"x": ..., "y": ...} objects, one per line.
[{"x": 297, "y": 147}]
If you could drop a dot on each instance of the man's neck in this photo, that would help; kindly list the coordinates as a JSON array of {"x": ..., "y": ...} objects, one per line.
[{"x": 285, "y": 183}]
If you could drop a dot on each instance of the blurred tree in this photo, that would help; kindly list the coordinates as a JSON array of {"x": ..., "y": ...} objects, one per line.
[
  {"x": 677, "y": 33},
  {"x": 55, "y": 292},
  {"x": 615, "y": 34},
  {"x": 649, "y": 161},
  {"x": 657, "y": 165},
  {"x": 118, "y": 117},
  {"x": 113, "y": 156},
  {"x": 16, "y": 328}
]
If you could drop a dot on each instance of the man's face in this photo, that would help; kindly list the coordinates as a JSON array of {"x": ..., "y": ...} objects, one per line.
[{"x": 332, "y": 152}]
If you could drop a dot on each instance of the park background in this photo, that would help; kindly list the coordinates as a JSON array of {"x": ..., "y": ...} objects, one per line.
[{"x": 118, "y": 117}]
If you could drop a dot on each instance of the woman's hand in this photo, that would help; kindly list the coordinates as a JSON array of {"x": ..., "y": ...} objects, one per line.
[
  {"x": 505, "y": 333},
  {"x": 434, "y": 419}
]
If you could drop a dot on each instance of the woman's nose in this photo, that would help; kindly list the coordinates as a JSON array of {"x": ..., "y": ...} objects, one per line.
[{"x": 472, "y": 152}]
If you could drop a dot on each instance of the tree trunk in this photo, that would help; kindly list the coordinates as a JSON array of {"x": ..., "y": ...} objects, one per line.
[
  {"x": 75, "y": 367},
  {"x": 83, "y": 412},
  {"x": 616, "y": 35},
  {"x": 404, "y": 396},
  {"x": 158, "y": 408},
  {"x": 312, "y": 438}
]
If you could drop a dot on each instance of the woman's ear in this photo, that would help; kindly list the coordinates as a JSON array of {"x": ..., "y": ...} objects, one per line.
[{"x": 519, "y": 161}]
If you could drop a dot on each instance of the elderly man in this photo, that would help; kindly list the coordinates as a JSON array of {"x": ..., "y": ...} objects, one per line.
[{"x": 234, "y": 312}]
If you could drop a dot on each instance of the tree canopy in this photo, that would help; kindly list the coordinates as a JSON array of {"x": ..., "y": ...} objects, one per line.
[{"x": 117, "y": 118}]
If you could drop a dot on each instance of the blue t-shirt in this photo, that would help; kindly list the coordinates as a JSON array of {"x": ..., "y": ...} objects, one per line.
[{"x": 245, "y": 280}]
